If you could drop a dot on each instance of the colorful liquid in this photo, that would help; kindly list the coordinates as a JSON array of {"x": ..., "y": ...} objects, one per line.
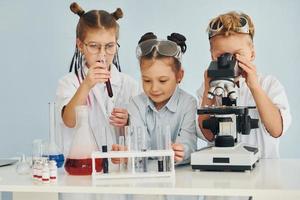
[
  {"x": 82, "y": 166},
  {"x": 59, "y": 158}
]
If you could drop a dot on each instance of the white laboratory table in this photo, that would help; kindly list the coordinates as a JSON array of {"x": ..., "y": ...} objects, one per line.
[{"x": 271, "y": 179}]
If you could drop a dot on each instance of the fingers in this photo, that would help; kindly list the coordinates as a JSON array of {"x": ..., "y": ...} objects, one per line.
[
  {"x": 119, "y": 117},
  {"x": 115, "y": 160},
  {"x": 98, "y": 73},
  {"x": 119, "y": 122},
  {"x": 117, "y": 147},
  {"x": 245, "y": 64},
  {"x": 179, "y": 152}
]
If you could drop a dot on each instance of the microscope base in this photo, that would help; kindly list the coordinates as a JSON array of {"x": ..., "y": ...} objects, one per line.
[{"x": 238, "y": 158}]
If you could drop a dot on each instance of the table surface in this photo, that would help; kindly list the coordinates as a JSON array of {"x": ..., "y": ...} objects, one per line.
[{"x": 276, "y": 177}]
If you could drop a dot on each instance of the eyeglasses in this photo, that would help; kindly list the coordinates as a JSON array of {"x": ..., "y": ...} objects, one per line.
[
  {"x": 163, "y": 47},
  {"x": 95, "y": 48},
  {"x": 216, "y": 26}
]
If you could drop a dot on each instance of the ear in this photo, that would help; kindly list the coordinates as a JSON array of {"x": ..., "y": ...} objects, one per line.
[
  {"x": 179, "y": 76},
  {"x": 79, "y": 45}
]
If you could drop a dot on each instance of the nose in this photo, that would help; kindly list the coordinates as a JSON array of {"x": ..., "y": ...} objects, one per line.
[
  {"x": 154, "y": 87},
  {"x": 102, "y": 51}
]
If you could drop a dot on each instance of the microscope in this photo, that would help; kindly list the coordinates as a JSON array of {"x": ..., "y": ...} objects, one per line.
[{"x": 226, "y": 122}]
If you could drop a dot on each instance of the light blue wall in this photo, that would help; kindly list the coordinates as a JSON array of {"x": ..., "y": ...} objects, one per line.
[{"x": 38, "y": 37}]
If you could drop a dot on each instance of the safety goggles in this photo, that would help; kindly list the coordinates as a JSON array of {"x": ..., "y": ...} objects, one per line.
[
  {"x": 216, "y": 26},
  {"x": 163, "y": 47}
]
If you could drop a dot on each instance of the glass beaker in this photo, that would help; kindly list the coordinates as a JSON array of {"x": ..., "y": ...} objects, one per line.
[{"x": 79, "y": 161}]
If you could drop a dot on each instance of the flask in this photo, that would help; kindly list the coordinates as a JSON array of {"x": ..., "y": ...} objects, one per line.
[{"x": 79, "y": 161}]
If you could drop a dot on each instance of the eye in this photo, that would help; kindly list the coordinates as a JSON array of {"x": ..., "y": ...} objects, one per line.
[
  {"x": 146, "y": 81},
  {"x": 110, "y": 45},
  {"x": 94, "y": 46},
  {"x": 163, "y": 80}
]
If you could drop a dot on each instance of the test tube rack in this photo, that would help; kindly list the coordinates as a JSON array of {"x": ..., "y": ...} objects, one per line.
[{"x": 131, "y": 173}]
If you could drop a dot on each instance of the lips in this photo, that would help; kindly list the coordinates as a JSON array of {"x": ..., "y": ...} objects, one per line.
[{"x": 156, "y": 95}]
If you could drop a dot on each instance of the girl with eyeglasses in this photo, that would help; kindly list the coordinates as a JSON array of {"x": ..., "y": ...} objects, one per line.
[
  {"x": 163, "y": 103},
  {"x": 233, "y": 33},
  {"x": 95, "y": 79}
]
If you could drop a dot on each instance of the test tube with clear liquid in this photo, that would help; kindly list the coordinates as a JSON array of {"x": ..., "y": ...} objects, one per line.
[{"x": 168, "y": 146}]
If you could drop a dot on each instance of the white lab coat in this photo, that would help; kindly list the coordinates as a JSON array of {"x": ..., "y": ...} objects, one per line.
[
  {"x": 123, "y": 87},
  {"x": 268, "y": 145}
]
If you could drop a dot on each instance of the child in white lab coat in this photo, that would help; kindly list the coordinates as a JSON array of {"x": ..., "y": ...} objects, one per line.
[
  {"x": 92, "y": 66},
  {"x": 233, "y": 33}
]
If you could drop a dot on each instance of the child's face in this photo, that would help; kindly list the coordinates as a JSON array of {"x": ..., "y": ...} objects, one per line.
[
  {"x": 98, "y": 45},
  {"x": 235, "y": 44},
  {"x": 159, "y": 81}
]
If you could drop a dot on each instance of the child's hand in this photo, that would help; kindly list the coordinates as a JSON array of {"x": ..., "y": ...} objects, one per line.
[
  {"x": 119, "y": 117},
  {"x": 117, "y": 147},
  {"x": 249, "y": 71},
  {"x": 97, "y": 73},
  {"x": 179, "y": 152}
]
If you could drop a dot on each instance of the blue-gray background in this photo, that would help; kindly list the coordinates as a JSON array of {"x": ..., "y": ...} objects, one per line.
[{"x": 37, "y": 40}]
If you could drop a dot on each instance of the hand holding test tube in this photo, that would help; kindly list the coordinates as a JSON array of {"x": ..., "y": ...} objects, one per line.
[{"x": 108, "y": 85}]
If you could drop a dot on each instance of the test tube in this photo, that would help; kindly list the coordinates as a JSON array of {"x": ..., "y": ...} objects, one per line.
[
  {"x": 159, "y": 142},
  {"x": 105, "y": 160},
  {"x": 122, "y": 165},
  {"x": 109, "y": 89},
  {"x": 128, "y": 141},
  {"x": 104, "y": 149},
  {"x": 143, "y": 132},
  {"x": 108, "y": 85},
  {"x": 136, "y": 146},
  {"x": 168, "y": 143}
]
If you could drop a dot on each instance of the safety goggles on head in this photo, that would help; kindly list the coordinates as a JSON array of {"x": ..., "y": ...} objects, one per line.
[
  {"x": 216, "y": 26},
  {"x": 163, "y": 47}
]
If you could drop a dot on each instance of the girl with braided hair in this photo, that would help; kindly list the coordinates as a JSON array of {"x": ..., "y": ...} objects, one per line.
[{"x": 95, "y": 78}]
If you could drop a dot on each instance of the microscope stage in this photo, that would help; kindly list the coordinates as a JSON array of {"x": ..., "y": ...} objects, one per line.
[{"x": 241, "y": 157}]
